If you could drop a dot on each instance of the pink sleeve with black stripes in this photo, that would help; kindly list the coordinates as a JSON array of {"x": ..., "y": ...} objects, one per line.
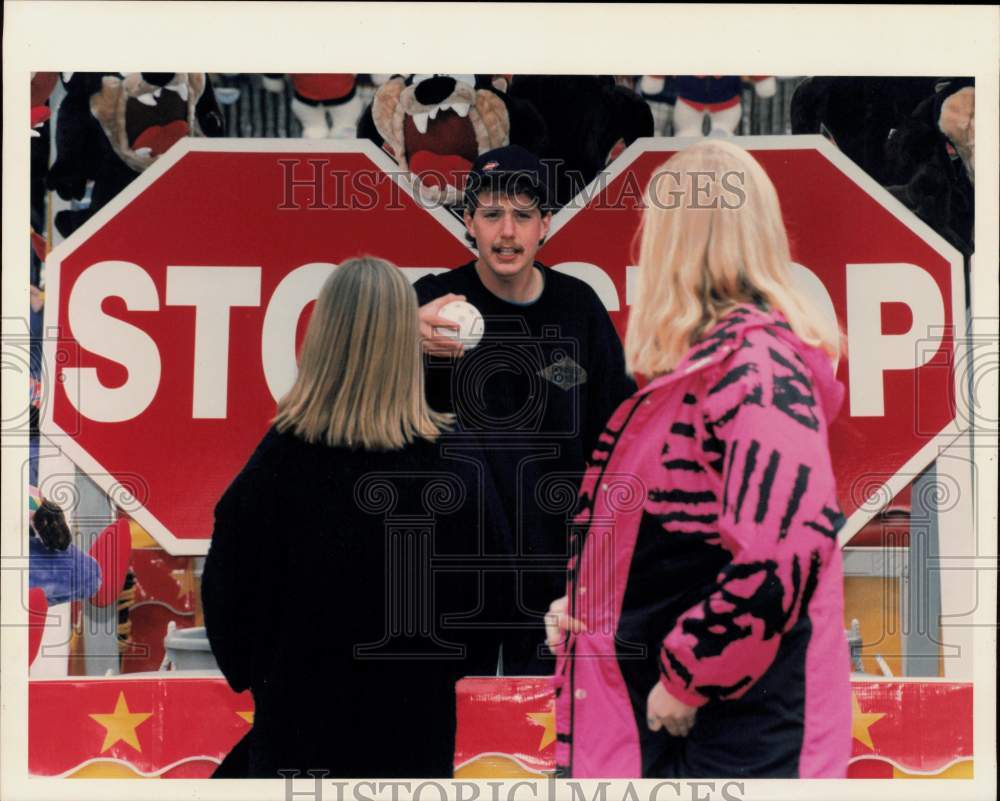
[{"x": 778, "y": 516}]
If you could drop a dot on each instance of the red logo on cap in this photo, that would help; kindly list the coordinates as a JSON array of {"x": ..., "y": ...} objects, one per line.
[{"x": 490, "y": 165}]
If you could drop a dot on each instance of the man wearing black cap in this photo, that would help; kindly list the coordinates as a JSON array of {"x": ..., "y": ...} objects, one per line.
[{"x": 535, "y": 393}]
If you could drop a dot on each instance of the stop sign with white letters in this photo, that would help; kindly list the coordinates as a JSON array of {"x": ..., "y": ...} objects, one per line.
[
  {"x": 896, "y": 288},
  {"x": 173, "y": 315}
]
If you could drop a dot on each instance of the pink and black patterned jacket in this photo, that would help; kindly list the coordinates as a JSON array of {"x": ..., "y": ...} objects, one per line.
[{"x": 705, "y": 557}]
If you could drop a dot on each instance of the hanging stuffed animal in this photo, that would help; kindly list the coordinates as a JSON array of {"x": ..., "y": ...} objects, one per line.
[
  {"x": 112, "y": 126},
  {"x": 42, "y": 86},
  {"x": 55, "y": 564},
  {"x": 914, "y": 135},
  {"x": 858, "y": 114},
  {"x": 434, "y": 126},
  {"x": 717, "y": 97},
  {"x": 326, "y": 103},
  {"x": 589, "y": 121},
  {"x": 931, "y": 161},
  {"x": 143, "y": 114}
]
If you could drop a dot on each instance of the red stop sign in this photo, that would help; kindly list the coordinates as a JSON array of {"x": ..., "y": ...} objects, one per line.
[
  {"x": 173, "y": 315},
  {"x": 895, "y": 286},
  {"x": 180, "y": 304}
]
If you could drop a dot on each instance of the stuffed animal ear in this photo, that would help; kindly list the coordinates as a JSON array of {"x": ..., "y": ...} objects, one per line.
[
  {"x": 207, "y": 111},
  {"x": 104, "y": 103},
  {"x": 501, "y": 82},
  {"x": 367, "y": 129},
  {"x": 384, "y": 105}
]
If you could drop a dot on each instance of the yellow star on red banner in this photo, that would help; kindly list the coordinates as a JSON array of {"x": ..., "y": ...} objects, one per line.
[
  {"x": 247, "y": 716},
  {"x": 184, "y": 580},
  {"x": 121, "y": 724},
  {"x": 548, "y": 720},
  {"x": 861, "y": 722}
]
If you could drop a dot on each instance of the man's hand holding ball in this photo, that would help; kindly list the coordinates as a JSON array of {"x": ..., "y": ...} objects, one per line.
[{"x": 449, "y": 325}]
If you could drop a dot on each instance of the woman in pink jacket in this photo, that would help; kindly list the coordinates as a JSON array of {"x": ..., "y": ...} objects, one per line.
[{"x": 702, "y": 632}]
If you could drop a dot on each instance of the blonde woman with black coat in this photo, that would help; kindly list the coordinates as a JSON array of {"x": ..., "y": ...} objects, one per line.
[{"x": 341, "y": 585}]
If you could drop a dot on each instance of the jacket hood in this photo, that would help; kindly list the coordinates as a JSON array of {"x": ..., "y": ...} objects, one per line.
[
  {"x": 825, "y": 383},
  {"x": 729, "y": 334}
]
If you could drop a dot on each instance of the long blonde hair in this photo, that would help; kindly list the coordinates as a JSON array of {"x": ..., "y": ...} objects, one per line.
[
  {"x": 712, "y": 237},
  {"x": 360, "y": 381}
]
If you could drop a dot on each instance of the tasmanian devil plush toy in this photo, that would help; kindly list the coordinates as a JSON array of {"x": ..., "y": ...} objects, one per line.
[
  {"x": 589, "y": 120},
  {"x": 112, "y": 126},
  {"x": 434, "y": 126}
]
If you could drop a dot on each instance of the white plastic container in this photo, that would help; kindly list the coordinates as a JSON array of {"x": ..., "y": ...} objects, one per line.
[{"x": 187, "y": 649}]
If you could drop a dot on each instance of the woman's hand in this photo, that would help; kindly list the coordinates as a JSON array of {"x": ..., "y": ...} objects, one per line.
[
  {"x": 665, "y": 711},
  {"x": 432, "y": 342},
  {"x": 558, "y": 622}
]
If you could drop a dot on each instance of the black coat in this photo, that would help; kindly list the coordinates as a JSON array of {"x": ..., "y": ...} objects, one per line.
[
  {"x": 536, "y": 393},
  {"x": 327, "y": 591}
]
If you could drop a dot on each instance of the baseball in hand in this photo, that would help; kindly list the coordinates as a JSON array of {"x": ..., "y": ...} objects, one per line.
[{"x": 469, "y": 320}]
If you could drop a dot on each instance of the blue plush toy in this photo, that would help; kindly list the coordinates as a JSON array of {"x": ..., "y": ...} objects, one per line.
[{"x": 57, "y": 566}]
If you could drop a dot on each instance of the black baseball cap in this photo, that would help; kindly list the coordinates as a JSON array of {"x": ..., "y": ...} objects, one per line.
[{"x": 511, "y": 169}]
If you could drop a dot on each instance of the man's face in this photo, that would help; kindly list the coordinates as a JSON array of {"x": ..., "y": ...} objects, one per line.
[{"x": 507, "y": 231}]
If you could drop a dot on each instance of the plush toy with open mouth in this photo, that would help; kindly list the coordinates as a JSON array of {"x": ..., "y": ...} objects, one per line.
[
  {"x": 112, "y": 126},
  {"x": 144, "y": 113},
  {"x": 434, "y": 126}
]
